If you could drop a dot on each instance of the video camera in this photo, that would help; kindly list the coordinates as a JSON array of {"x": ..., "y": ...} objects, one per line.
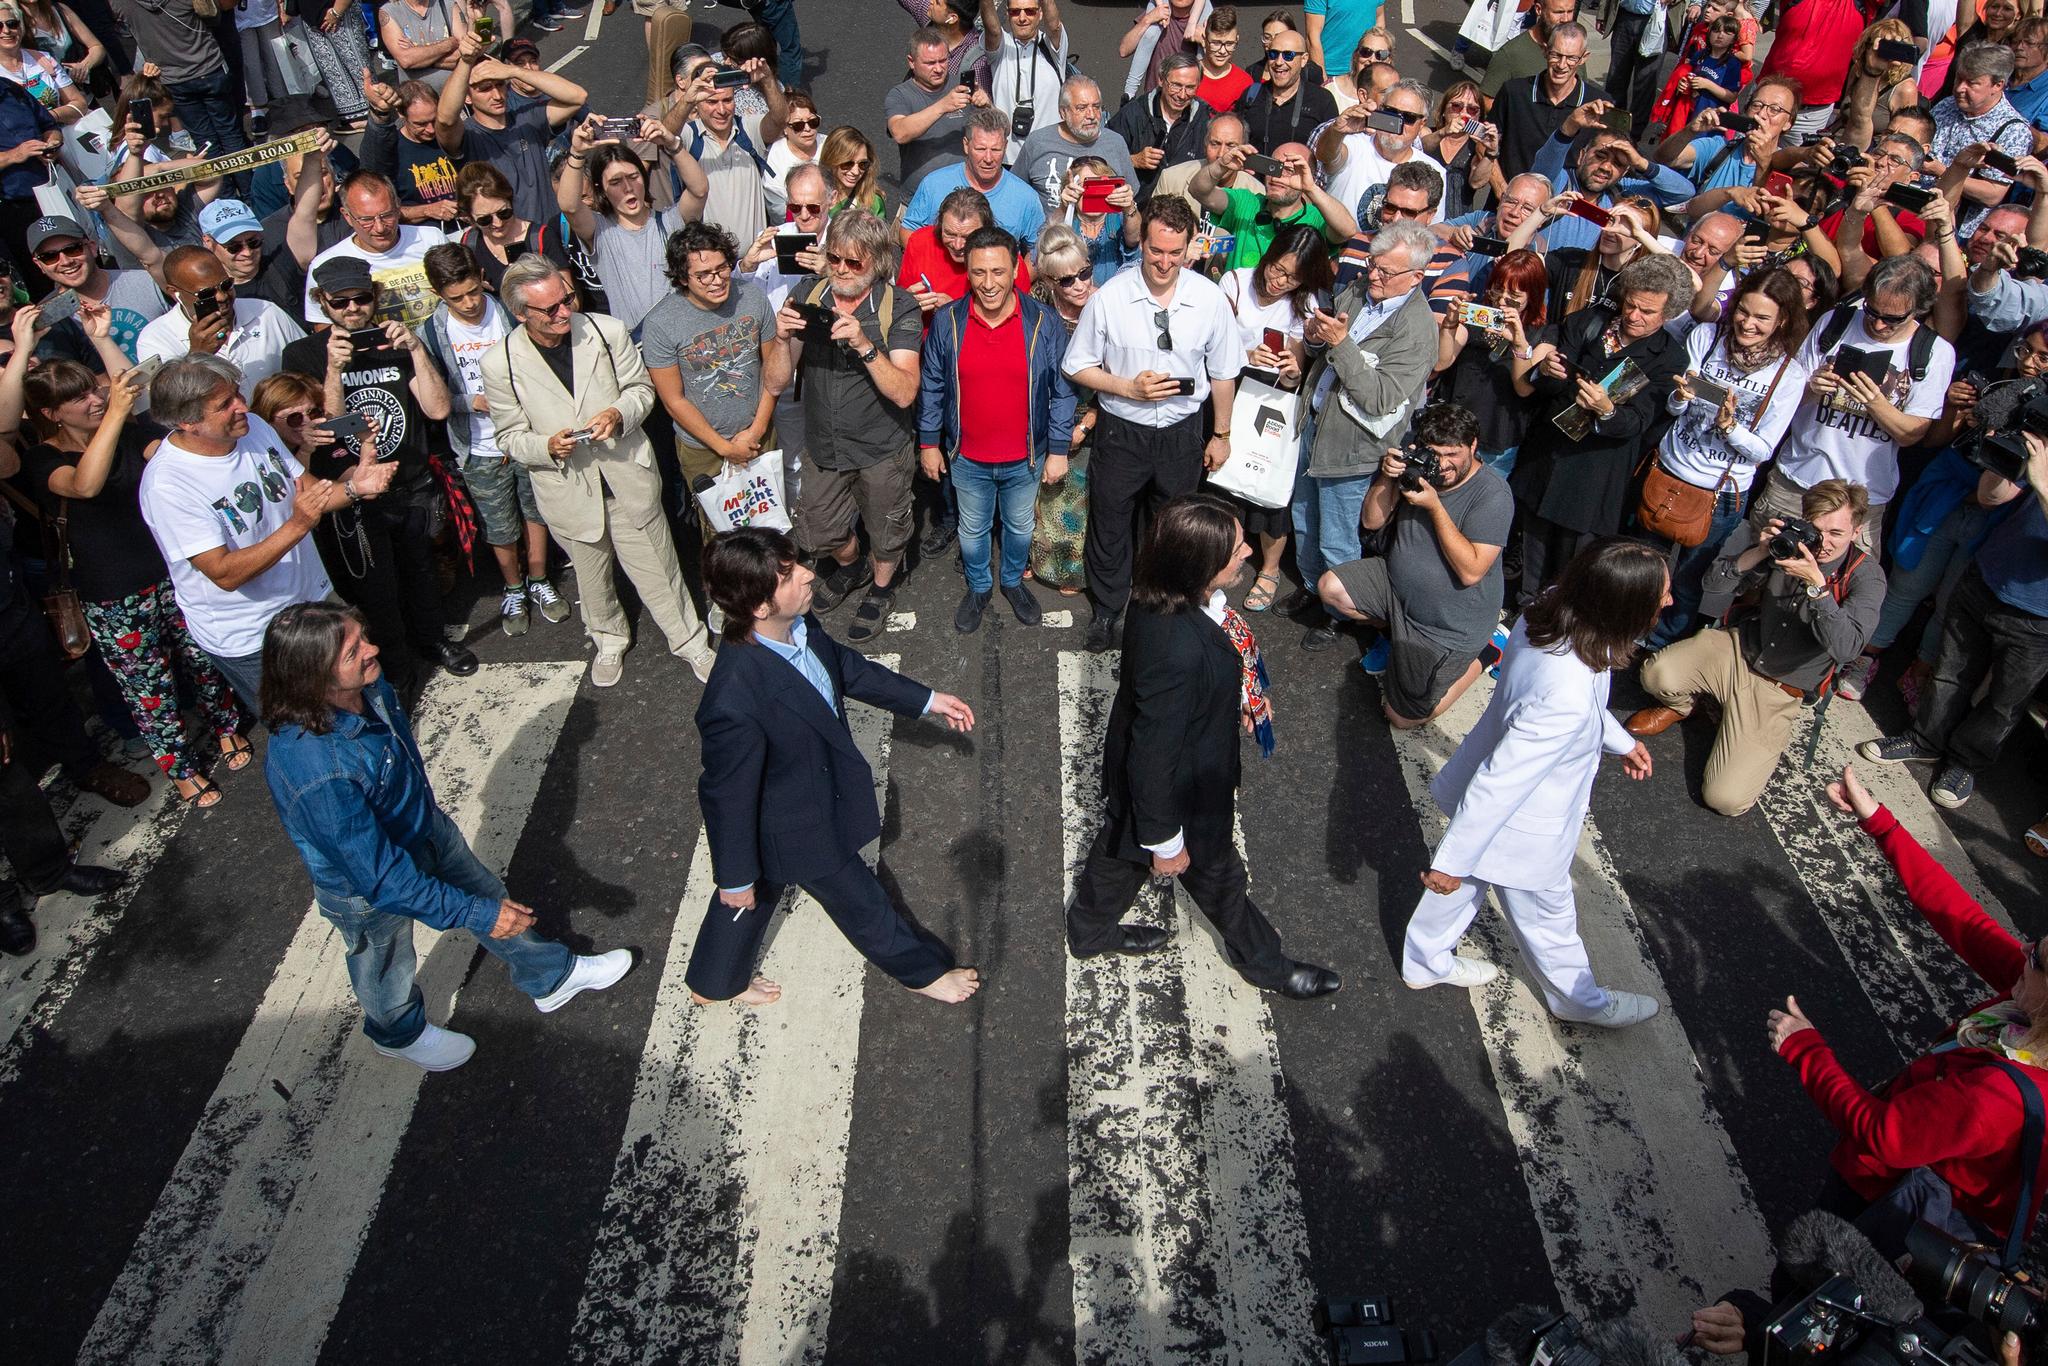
[
  {"x": 1424, "y": 465},
  {"x": 1361, "y": 1332},
  {"x": 2001, "y": 445}
]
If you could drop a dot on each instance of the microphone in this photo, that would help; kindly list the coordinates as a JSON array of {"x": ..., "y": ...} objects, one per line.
[
  {"x": 1507, "y": 1337},
  {"x": 1625, "y": 1342},
  {"x": 1819, "y": 1244}
]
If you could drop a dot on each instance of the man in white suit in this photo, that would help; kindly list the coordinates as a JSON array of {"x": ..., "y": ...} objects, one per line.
[
  {"x": 1517, "y": 788},
  {"x": 567, "y": 392}
]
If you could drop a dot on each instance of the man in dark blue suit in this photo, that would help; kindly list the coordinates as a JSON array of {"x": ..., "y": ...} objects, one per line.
[{"x": 787, "y": 796}]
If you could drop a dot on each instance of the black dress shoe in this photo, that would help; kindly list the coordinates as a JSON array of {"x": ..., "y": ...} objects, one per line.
[
  {"x": 1307, "y": 981},
  {"x": 1134, "y": 940},
  {"x": 1318, "y": 638},
  {"x": 1102, "y": 632},
  {"x": 967, "y": 617},
  {"x": 938, "y": 536},
  {"x": 17, "y": 931},
  {"x": 1024, "y": 603},
  {"x": 88, "y": 879},
  {"x": 456, "y": 659},
  {"x": 1300, "y": 600}
]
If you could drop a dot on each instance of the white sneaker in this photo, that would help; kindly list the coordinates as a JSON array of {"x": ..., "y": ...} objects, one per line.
[
  {"x": 1624, "y": 1008},
  {"x": 435, "y": 1050},
  {"x": 592, "y": 972},
  {"x": 1465, "y": 972},
  {"x": 701, "y": 662},
  {"x": 607, "y": 669}
]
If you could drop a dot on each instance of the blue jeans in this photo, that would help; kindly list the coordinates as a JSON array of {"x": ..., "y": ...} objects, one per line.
[
  {"x": 982, "y": 488},
  {"x": 211, "y": 109},
  {"x": 1942, "y": 561},
  {"x": 1325, "y": 517},
  {"x": 1689, "y": 566},
  {"x": 380, "y": 957},
  {"x": 244, "y": 674},
  {"x": 1501, "y": 463},
  {"x": 779, "y": 17}
]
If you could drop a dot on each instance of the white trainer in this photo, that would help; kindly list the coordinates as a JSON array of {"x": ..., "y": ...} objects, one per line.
[
  {"x": 1624, "y": 1008},
  {"x": 1465, "y": 972},
  {"x": 435, "y": 1050},
  {"x": 701, "y": 662},
  {"x": 592, "y": 972},
  {"x": 607, "y": 669}
]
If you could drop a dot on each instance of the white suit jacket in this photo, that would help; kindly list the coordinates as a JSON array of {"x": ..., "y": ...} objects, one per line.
[
  {"x": 528, "y": 405},
  {"x": 1516, "y": 790}
]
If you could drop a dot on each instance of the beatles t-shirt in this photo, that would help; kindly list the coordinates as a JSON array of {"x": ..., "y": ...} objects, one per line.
[{"x": 1837, "y": 438}]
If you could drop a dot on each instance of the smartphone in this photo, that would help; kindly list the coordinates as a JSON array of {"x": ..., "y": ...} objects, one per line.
[
  {"x": 623, "y": 127},
  {"x": 143, "y": 111},
  {"x": 59, "y": 307},
  {"x": 2002, "y": 162},
  {"x": 1910, "y": 197},
  {"x": 1263, "y": 166},
  {"x": 1893, "y": 50},
  {"x": 1591, "y": 212},
  {"x": 142, "y": 372},
  {"x": 1710, "y": 390},
  {"x": 817, "y": 322},
  {"x": 1854, "y": 360},
  {"x": 1779, "y": 184},
  {"x": 1095, "y": 192},
  {"x": 1479, "y": 315},
  {"x": 729, "y": 78},
  {"x": 1275, "y": 341},
  {"x": 368, "y": 339},
  {"x": 209, "y": 301},
  {"x": 788, "y": 246},
  {"x": 968, "y": 86},
  {"x": 1618, "y": 120},
  {"x": 486, "y": 26},
  {"x": 1737, "y": 123},
  {"x": 1482, "y": 245},
  {"x": 581, "y": 435},
  {"x": 383, "y": 70},
  {"x": 1184, "y": 387},
  {"x": 1473, "y": 128},
  {"x": 348, "y": 426},
  {"x": 1385, "y": 121}
]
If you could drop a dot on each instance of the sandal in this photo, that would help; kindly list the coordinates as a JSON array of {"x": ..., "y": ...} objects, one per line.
[
  {"x": 203, "y": 796},
  {"x": 237, "y": 751},
  {"x": 2036, "y": 838},
  {"x": 1259, "y": 599},
  {"x": 869, "y": 617}
]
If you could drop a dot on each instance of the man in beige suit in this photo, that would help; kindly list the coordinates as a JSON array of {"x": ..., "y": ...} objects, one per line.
[{"x": 567, "y": 392}]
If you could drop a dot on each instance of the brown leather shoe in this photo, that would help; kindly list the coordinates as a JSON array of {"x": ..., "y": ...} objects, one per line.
[
  {"x": 1652, "y": 721},
  {"x": 118, "y": 785}
]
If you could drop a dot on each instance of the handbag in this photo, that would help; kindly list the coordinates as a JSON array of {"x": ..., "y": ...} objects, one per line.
[
  {"x": 61, "y": 603},
  {"x": 1682, "y": 512}
]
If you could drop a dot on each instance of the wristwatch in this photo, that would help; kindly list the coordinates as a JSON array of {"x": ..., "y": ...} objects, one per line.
[
  {"x": 872, "y": 352},
  {"x": 1814, "y": 591}
]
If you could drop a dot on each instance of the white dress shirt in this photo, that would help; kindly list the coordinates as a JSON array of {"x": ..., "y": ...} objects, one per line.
[
  {"x": 255, "y": 343},
  {"x": 1119, "y": 331}
]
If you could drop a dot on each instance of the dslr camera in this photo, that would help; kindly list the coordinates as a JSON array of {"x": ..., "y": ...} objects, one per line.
[
  {"x": 1424, "y": 465},
  {"x": 1845, "y": 160},
  {"x": 2032, "y": 265},
  {"x": 2003, "y": 449},
  {"x": 1792, "y": 533}
]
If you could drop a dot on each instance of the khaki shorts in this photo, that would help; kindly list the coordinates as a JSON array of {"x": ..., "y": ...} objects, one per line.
[
  {"x": 830, "y": 503},
  {"x": 647, "y": 9}
]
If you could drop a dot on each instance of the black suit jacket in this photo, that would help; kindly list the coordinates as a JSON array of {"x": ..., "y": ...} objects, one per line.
[
  {"x": 1171, "y": 760},
  {"x": 786, "y": 794}
]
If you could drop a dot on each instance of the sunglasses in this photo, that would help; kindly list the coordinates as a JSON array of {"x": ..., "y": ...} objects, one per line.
[
  {"x": 295, "y": 418},
  {"x": 833, "y": 258},
  {"x": 491, "y": 220},
  {"x": 1274, "y": 54},
  {"x": 805, "y": 210},
  {"x": 1023, "y": 11},
  {"x": 1069, "y": 281},
  {"x": 1888, "y": 319},
  {"x": 860, "y": 164},
  {"x": 351, "y": 300},
  {"x": 10, "y": 25},
  {"x": 248, "y": 241},
  {"x": 1369, "y": 55},
  {"x": 800, "y": 125},
  {"x": 1162, "y": 320},
  {"x": 560, "y": 305},
  {"x": 70, "y": 253}
]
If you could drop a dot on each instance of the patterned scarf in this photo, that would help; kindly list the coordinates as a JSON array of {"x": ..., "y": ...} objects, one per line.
[
  {"x": 1257, "y": 704},
  {"x": 2001, "y": 1028},
  {"x": 461, "y": 511}
]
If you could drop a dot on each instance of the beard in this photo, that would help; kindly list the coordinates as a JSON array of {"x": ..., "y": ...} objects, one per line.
[{"x": 851, "y": 289}]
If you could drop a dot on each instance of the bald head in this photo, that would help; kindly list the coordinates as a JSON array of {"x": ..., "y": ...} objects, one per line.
[{"x": 190, "y": 269}]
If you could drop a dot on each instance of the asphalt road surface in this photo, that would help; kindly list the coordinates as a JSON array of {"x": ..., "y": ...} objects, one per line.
[{"x": 1114, "y": 1162}]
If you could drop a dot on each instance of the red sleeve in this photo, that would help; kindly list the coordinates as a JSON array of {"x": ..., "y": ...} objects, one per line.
[
  {"x": 1978, "y": 940},
  {"x": 1937, "y": 1120}
]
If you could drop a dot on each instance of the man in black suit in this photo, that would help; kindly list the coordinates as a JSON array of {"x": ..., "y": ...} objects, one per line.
[
  {"x": 787, "y": 796},
  {"x": 1170, "y": 766}
]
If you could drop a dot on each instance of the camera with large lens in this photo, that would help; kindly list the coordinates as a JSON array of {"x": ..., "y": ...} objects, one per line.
[
  {"x": 1846, "y": 159},
  {"x": 2032, "y": 264},
  {"x": 1792, "y": 533},
  {"x": 1424, "y": 465},
  {"x": 1964, "y": 1276},
  {"x": 2001, "y": 444},
  {"x": 1360, "y": 1331}
]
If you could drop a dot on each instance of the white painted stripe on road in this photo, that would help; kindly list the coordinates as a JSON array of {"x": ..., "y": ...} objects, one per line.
[
  {"x": 251, "y": 1245},
  {"x": 901, "y": 621},
  {"x": 594, "y": 23},
  {"x": 1186, "y": 1235},
  {"x": 573, "y": 53},
  {"x": 1634, "y": 1181},
  {"x": 70, "y": 929},
  {"x": 1915, "y": 981},
  {"x": 1058, "y": 620},
  {"x": 722, "y": 1222}
]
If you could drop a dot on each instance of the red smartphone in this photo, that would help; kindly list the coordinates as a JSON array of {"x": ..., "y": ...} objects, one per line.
[
  {"x": 1275, "y": 342},
  {"x": 1778, "y": 184},
  {"x": 1095, "y": 193},
  {"x": 1591, "y": 212}
]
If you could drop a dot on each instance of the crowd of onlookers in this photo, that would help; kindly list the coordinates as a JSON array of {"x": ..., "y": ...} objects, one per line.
[{"x": 1773, "y": 296}]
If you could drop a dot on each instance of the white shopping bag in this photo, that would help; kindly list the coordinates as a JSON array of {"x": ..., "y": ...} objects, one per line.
[
  {"x": 745, "y": 495},
  {"x": 295, "y": 62},
  {"x": 1265, "y": 436},
  {"x": 1490, "y": 23},
  {"x": 89, "y": 146}
]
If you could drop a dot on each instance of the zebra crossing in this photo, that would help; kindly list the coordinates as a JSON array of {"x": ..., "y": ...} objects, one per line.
[{"x": 1194, "y": 1195}]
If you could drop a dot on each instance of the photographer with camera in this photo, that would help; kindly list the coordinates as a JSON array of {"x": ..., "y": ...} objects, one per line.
[
  {"x": 1994, "y": 627},
  {"x": 1819, "y": 598},
  {"x": 1435, "y": 592}
]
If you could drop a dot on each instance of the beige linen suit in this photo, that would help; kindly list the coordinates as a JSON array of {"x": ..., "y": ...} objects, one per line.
[{"x": 603, "y": 503}]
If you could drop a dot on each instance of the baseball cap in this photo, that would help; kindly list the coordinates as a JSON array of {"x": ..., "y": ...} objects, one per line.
[
  {"x": 226, "y": 219},
  {"x": 343, "y": 272},
  {"x": 519, "y": 49},
  {"x": 51, "y": 226}
]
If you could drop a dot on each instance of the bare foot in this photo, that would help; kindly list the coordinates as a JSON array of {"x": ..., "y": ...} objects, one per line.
[
  {"x": 759, "y": 992},
  {"x": 953, "y": 988}
]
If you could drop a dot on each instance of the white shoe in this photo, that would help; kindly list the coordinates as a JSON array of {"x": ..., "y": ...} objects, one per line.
[
  {"x": 1465, "y": 972},
  {"x": 607, "y": 669},
  {"x": 435, "y": 1050},
  {"x": 1624, "y": 1008},
  {"x": 701, "y": 662},
  {"x": 592, "y": 972}
]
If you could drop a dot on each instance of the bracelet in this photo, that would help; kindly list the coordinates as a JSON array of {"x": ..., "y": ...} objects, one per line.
[{"x": 576, "y": 161}]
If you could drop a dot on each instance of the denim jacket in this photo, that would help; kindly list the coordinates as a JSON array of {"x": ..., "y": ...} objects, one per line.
[
  {"x": 1051, "y": 396},
  {"x": 356, "y": 801}
]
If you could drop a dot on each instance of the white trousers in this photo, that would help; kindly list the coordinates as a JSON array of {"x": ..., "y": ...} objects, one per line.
[{"x": 1545, "y": 925}]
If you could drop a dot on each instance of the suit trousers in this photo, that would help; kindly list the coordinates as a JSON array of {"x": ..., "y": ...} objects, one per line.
[
  {"x": 1134, "y": 471},
  {"x": 722, "y": 960},
  {"x": 648, "y": 555},
  {"x": 1756, "y": 713},
  {"x": 1217, "y": 882},
  {"x": 1545, "y": 924}
]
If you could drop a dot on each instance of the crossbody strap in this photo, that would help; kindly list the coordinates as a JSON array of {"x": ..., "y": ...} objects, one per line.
[
  {"x": 56, "y": 534},
  {"x": 2032, "y": 1128}
]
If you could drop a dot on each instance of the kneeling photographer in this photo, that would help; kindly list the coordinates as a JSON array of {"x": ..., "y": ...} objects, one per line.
[
  {"x": 1435, "y": 590},
  {"x": 1817, "y": 601}
]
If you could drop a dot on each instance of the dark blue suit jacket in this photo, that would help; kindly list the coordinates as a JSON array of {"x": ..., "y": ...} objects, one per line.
[{"x": 786, "y": 794}]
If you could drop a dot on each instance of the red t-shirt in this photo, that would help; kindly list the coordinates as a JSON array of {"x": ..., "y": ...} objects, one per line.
[
  {"x": 1909, "y": 223},
  {"x": 1221, "y": 93},
  {"x": 1815, "y": 42},
  {"x": 924, "y": 256},
  {"x": 995, "y": 407}
]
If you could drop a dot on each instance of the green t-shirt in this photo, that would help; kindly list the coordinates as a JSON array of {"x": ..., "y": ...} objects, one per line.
[
  {"x": 1519, "y": 56},
  {"x": 1246, "y": 217}
]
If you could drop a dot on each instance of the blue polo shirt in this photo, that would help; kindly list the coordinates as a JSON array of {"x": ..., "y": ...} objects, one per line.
[
  {"x": 1018, "y": 209},
  {"x": 2031, "y": 99}
]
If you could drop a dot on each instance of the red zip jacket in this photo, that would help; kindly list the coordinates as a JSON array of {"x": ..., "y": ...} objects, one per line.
[{"x": 1954, "y": 1111}]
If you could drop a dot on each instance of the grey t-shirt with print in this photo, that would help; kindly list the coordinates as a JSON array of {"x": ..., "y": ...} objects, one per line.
[{"x": 716, "y": 351}]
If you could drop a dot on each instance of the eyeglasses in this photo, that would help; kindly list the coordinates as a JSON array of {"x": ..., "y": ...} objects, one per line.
[
  {"x": 1780, "y": 110},
  {"x": 711, "y": 275},
  {"x": 296, "y": 417},
  {"x": 1069, "y": 281},
  {"x": 850, "y": 262},
  {"x": 1163, "y": 320},
  {"x": 70, "y": 253},
  {"x": 491, "y": 220},
  {"x": 1274, "y": 54},
  {"x": 351, "y": 300},
  {"x": 1380, "y": 272},
  {"x": 800, "y": 125},
  {"x": 1406, "y": 117},
  {"x": 1567, "y": 58},
  {"x": 372, "y": 218}
]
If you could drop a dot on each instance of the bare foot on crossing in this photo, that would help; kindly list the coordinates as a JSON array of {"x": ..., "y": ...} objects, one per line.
[
  {"x": 759, "y": 992},
  {"x": 953, "y": 988}
]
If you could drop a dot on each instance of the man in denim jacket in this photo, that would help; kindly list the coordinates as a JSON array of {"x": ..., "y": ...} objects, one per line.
[{"x": 353, "y": 793}]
